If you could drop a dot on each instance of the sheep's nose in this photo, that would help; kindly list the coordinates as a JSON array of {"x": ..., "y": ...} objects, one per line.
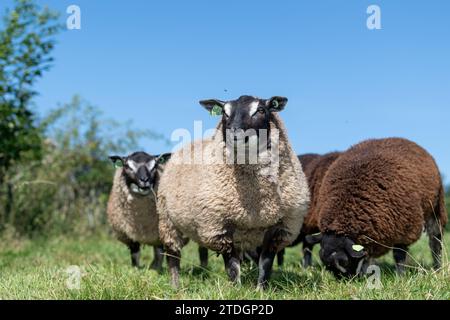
[{"x": 144, "y": 179}]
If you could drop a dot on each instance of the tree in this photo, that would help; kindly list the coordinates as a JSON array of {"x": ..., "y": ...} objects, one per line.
[
  {"x": 67, "y": 189},
  {"x": 26, "y": 43}
]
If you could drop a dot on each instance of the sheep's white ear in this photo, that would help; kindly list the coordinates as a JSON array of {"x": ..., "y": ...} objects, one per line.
[
  {"x": 214, "y": 106},
  {"x": 276, "y": 103},
  {"x": 118, "y": 161}
]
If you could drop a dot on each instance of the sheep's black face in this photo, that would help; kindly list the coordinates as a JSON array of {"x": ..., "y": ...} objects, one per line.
[
  {"x": 339, "y": 254},
  {"x": 245, "y": 119},
  {"x": 140, "y": 170}
]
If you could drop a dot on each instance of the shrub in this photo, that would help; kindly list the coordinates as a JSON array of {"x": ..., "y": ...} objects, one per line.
[{"x": 67, "y": 190}]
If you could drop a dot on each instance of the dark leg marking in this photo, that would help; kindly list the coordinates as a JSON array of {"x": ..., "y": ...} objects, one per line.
[
  {"x": 280, "y": 258},
  {"x": 307, "y": 255},
  {"x": 233, "y": 265},
  {"x": 273, "y": 240},
  {"x": 173, "y": 261},
  {"x": 135, "y": 251},
  {"x": 203, "y": 254},
  {"x": 434, "y": 230},
  {"x": 158, "y": 258},
  {"x": 265, "y": 267},
  {"x": 251, "y": 256},
  {"x": 400, "y": 252}
]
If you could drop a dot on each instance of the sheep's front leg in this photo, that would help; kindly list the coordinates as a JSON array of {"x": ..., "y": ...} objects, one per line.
[
  {"x": 265, "y": 267},
  {"x": 274, "y": 241},
  {"x": 280, "y": 258},
  {"x": 135, "y": 252},
  {"x": 173, "y": 242},
  {"x": 173, "y": 261},
  {"x": 400, "y": 254},
  {"x": 203, "y": 254},
  {"x": 252, "y": 255},
  {"x": 233, "y": 265},
  {"x": 157, "y": 258},
  {"x": 307, "y": 254}
]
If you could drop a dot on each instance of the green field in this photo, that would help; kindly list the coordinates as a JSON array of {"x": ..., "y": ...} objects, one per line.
[{"x": 37, "y": 270}]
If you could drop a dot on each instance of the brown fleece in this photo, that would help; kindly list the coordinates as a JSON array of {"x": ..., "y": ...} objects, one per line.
[
  {"x": 315, "y": 172},
  {"x": 381, "y": 193},
  {"x": 306, "y": 159}
]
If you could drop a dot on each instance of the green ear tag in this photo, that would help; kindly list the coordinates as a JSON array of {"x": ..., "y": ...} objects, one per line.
[
  {"x": 357, "y": 247},
  {"x": 275, "y": 104},
  {"x": 118, "y": 164},
  {"x": 216, "y": 111}
]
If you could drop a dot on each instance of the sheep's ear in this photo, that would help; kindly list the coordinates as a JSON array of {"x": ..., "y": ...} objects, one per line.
[
  {"x": 163, "y": 158},
  {"x": 313, "y": 238},
  {"x": 214, "y": 106},
  {"x": 276, "y": 104},
  {"x": 118, "y": 161}
]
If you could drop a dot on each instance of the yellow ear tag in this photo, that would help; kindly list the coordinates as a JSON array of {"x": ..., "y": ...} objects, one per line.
[
  {"x": 216, "y": 111},
  {"x": 357, "y": 247}
]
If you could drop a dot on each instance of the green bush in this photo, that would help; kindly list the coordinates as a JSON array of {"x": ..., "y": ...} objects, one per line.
[
  {"x": 67, "y": 190},
  {"x": 27, "y": 39}
]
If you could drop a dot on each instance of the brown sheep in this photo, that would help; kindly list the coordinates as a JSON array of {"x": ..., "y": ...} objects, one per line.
[
  {"x": 379, "y": 195},
  {"x": 315, "y": 167},
  {"x": 307, "y": 158}
]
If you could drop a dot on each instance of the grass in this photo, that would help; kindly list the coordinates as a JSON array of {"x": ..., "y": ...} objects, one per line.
[
  {"x": 447, "y": 203},
  {"x": 37, "y": 270}
]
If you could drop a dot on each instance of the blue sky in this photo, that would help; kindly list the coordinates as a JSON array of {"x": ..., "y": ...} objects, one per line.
[{"x": 152, "y": 61}]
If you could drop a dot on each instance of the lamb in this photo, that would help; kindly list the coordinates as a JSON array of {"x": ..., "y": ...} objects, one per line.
[
  {"x": 132, "y": 207},
  {"x": 315, "y": 167},
  {"x": 231, "y": 207},
  {"x": 380, "y": 194}
]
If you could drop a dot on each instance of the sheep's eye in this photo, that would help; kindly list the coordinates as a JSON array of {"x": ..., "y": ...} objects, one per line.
[{"x": 261, "y": 110}]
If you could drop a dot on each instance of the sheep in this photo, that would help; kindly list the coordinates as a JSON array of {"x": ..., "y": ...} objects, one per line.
[
  {"x": 231, "y": 207},
  {"x": 380, "y": 194},
  {"x": 315, "y": 167},
  {"x": 131, "y": 207},
  {"x": 306, "y": 159}
]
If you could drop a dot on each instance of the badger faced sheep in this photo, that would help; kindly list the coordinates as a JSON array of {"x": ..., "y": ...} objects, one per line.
[
  {"x": 132, "y": 205},
  {"x": 315, "y": 167},
  {"x": 380, "y": 194},
  {"x": 230, "y": 207}
]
